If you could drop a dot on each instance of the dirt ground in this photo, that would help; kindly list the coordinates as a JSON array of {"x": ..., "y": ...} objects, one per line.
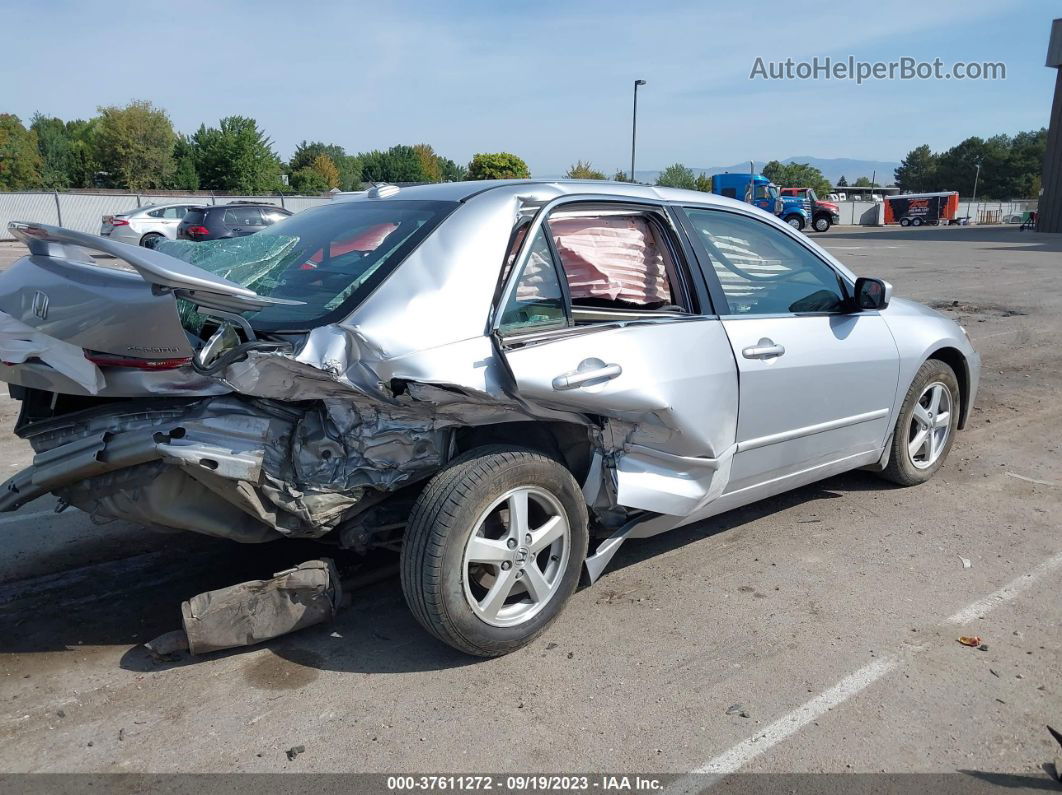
[{"x": 828, "y": 616}]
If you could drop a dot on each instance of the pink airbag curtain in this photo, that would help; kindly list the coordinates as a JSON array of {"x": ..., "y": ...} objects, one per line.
[{"x": 613, "y": 258}]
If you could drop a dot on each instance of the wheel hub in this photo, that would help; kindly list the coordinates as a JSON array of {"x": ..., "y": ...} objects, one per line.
[{"x": 516, "y": 556}]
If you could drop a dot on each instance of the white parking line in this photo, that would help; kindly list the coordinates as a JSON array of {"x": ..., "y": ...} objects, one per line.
[
  {"x": 1006, "y": 593},
  {"x": 747, "y": 750},
  {"x": 736, "y": 757}
]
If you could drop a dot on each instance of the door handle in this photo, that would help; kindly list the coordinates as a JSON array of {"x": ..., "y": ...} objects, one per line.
[
  {"x": 590, "y": 371},
  {"x": 764, "y": 349}
]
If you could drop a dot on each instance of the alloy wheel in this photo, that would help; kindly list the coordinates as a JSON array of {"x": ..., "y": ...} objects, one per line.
[
  {"x": 930, "y": 425},
  {"x": 516, "y": 556}
]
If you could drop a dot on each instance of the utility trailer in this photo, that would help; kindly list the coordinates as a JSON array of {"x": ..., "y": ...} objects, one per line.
[{"x": 918, "y": 209}]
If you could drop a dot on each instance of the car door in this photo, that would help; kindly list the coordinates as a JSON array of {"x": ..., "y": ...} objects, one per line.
[
  {"x": 817, "y": 380},
  {"x": 602, "y": 316}
]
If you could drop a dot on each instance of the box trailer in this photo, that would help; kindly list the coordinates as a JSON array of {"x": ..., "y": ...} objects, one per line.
[{"x": 916, "y": 209}]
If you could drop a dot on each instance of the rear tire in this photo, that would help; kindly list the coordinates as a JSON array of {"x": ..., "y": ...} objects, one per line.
[
  {"x": 905, "y": 222},
  {"x": 916, "y": 222},
  {"x": 923, "y": 435},
  {"x": 151, "y": 239},
  {"x": 795, "y": 221},
  {"x": 468, "y": 556}
]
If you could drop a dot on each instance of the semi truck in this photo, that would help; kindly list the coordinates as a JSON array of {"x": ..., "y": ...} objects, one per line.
[
  {"x": 916, "y": 209},
  {"x": 758, "y": 190},
  {"x": 824, "y": 214}
]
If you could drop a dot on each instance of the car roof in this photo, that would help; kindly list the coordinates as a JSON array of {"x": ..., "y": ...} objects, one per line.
[
  {"x": 544, "y": 189},
  {"x": 144, "y": 208}
]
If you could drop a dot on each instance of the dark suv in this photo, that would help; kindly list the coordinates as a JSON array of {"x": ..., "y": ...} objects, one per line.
[{"x": 228, "y": 220}]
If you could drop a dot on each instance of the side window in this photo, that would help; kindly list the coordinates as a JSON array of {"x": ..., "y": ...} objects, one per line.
[
  {"x": 616, "y": 261},
  {"x": 156, "y": 214},
  {"x": 761, "y": 270},
  {"x": 173, "y": 212},
  {"x": 243, "y": 216},
  {"x": 537, "y": 301}
]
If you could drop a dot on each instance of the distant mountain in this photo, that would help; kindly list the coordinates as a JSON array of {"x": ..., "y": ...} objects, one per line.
[{"x": 832, "y": 167}]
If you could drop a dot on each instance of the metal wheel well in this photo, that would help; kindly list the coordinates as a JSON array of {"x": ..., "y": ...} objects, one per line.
[
  {"x": 957, "y": 362},
  {"x": 568, "y": 442}
]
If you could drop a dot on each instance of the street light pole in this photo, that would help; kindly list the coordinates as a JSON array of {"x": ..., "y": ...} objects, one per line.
[
  {"x": 634, "y": 124},
  {"x": 973, "y": 201}
]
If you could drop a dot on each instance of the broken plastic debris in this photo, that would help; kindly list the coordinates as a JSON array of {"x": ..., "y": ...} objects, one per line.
[
  {"x": 251, "y": 612},
  {"x": 965, "y": 562},
  {"x": 970, "y": 640},
  {"x": 168, "y": 644}
]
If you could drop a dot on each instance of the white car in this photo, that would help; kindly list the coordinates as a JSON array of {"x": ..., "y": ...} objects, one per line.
[{"x": 145, "y": 226}]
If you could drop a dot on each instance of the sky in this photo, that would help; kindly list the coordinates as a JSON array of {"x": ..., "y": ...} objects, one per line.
[{"x": 549, "y": 81}]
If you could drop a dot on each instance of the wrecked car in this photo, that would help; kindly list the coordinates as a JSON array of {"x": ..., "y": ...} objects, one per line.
[{"x": 503, "y": 380}]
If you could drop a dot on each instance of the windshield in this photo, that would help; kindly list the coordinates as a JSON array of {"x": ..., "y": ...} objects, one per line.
[{"x": 329, "y": 257}]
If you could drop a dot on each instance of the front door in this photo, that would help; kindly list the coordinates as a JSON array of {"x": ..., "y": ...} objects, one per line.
[{"x": 817, "y": 381}]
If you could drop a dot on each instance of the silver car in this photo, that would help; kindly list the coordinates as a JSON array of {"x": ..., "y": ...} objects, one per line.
[
  {"x": 145, "y": 226},
  {"x": 504, "y": 380}
]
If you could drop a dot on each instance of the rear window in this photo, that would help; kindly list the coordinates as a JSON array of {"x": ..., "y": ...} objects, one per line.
[
  {"x": 330, "y": 257},
  {"x": 194, "y": 215}
]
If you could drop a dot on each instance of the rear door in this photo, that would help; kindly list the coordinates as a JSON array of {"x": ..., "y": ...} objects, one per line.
[
  {"x": 817, "y": 380},
  {"x": 601, "y": 315},
  {"x": 241, "y": 221}
]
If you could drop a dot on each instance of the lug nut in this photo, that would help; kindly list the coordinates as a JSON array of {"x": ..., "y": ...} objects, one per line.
[
  {"x": 519, "y": 573},
  {"x": 506, "y": 565},
  {"x": 527, "y": 539},
  {"x": 511, "y": 543}
]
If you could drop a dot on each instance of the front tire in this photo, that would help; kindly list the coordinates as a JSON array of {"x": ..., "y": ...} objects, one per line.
[
  {"x": 925, "y": 429},
  {"x": 494, "y": 548},
  {"x": 821, "y": 224}
]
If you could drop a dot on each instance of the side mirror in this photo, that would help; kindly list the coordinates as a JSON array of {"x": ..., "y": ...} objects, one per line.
[{"x": 872, "y": 293}]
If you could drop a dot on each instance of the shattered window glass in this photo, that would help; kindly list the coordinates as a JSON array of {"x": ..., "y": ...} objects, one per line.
[
  {"x": 537, "y": 301},
  {"x": 328, "y": 257}
]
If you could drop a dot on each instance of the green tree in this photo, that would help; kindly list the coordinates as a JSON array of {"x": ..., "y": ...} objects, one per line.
[
  {"x": 83, "y": 164},
  {"x": 620, "y": 176},
  {"x": 498, "y": 165},
  {"x": 308, "y": 181},
  {"x": 842, "y": 182},
  {"x": 398, "y": 164},
  {"x": 1027, "y": 150},
  {"x": 324, "y": 166},
  {"x": 20, "y": 160},
  {"x": 796, "y": 175},
  {"x": 581, "y": 170},
  {"x": 236, "y": 156},
  {"x": 917, "y": 172},
  {"x": 451, "y": 171},
  {"x": 134, "y": 145},
  {"x": 703, "y": 183},
  {"x": 185, "y": 176},
  {"x": 677, "y": 176},
  {"x": 430, "y": 166},
  {"x": 53, "y": 143},
  {"x": 348, "y": 165},
  {"x": 864, "y": 182}
]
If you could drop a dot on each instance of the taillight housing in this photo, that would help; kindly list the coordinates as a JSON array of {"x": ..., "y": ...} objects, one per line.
[
  {"x": 119, "y": 222},
  {"x": 134, "y": 362},
  {"x": 196, "y": 231}
]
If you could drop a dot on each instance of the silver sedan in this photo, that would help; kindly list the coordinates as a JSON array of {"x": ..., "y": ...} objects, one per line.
[
  {"x": 145, "y": 226},
  {"x": 503, "y": 380}
]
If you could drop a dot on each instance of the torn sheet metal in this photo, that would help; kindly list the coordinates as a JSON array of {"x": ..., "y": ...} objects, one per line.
[
  {"x": 256, "y": 611},
  {"x": 20, "y": 343}
]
